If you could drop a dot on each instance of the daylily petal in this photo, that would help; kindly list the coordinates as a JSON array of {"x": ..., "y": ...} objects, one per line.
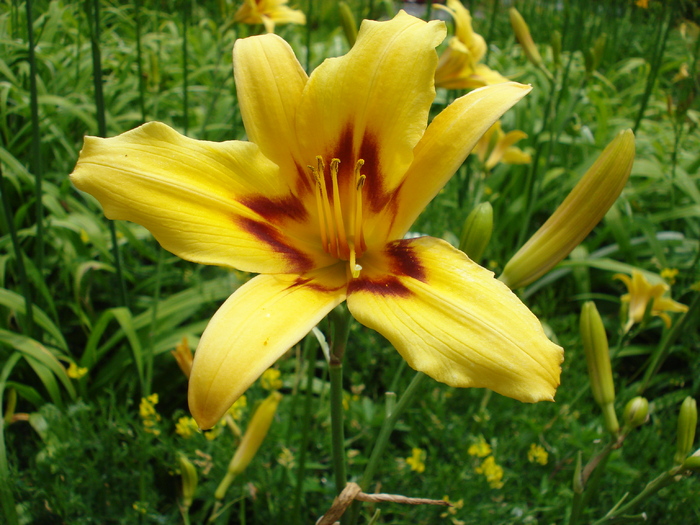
[
  {"x": 485, "y": 76},
  {"x": 269, "y": 83},
  {"x": 210, "y": 203},
  {"x": 449, "y": 318},
  {"x": 448, "y": 140},
  {"x": 504, "y": 142},
  {"x": 252, "y": 329},
  {"x": 373, "y": 103}
]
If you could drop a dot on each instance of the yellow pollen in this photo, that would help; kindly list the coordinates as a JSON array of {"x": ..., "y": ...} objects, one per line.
[{"x": 346, "y": 244}]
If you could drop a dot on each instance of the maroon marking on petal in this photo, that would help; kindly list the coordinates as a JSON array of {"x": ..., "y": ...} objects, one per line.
[
  {"x": 386, "y": 286},
  {"x": 304, "y": 183},
  {"x": 273, "y": 238},
  {"x": 310, "y": 284},
  {"x": 404, "y": 261},
  {"x": 277, "y": 209},
  {"x": 374, "y": 190}
]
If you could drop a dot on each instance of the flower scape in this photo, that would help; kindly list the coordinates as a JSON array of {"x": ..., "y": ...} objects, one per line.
[{"x": 338, "y": 166}]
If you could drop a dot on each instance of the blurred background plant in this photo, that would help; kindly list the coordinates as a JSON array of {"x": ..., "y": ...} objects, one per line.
[{"x": 95, "y": 425}]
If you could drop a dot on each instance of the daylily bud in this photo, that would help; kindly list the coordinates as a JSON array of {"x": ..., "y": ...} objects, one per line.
[
  {"x": 578, "y": 475},
  {"x": 595, "y": 345},
  {"x": 636, "y": 412},
  {"x": 477, "y": 230},
  {"x": 10, "y": 405},
  {"x": 183, "y": 356},
  {"x": 252, "y": 439},
  {"x": 189, "y": 480},
  {"x": 582, "y": 209},
  {"x": 687, "y": 421},
  {"x": 556, "y": 47},
  {"x": 522, "y": 33},
  {"x": 347, "y": 20}
]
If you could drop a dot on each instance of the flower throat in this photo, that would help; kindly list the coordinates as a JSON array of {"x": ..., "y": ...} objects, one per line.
[{"x": 346, "y": 244}]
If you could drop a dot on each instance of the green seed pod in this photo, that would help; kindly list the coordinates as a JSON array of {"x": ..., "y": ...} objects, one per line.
[
  {"x": 687, "y": 421},
  {"x": 476, "y": 232}
]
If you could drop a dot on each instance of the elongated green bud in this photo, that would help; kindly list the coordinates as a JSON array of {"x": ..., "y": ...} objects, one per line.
[
  {"x": 347, "y": 20},
  {"x": 252, "y": 439},
  {"x": 477, "y": 230},
  {"x": 573, "y": 220},
  {"x": 693, "y": 462},
  {"x": 578, "y": 475},
  {"x": 188, "y": 472},
  {"x": 636, "y": 412},
  {"x": 599, "y": 49},
  {"x": 595, "y": 345},
  {"x": 687, "y": 421},
  {"x": 522, "y": 33}
]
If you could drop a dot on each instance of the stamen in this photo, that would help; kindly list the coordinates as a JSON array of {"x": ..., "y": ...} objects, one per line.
[
  {"x": 319, "y": 207},
  {"x": 358, "y": 234},
  {"x": 332, "y": 231},
  {"x": 343, "y": 251}
]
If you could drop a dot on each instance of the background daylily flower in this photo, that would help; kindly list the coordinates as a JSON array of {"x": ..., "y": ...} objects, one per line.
[
  {"x": 640, "y": 292},
  {"x": 338, "y": 166},
  {"x": 500, "y": 147},
  {"x": 268, "y": 13},
  {"x": 459, "y": 66}
]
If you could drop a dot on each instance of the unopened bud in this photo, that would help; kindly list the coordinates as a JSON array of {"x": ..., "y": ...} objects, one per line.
[
  {"x": 11, "y": 405},
  {"x": 188, "y": 472},
  {"x": 522, "y": 33},
  {"x": 595, "y": 345},
  {"x": 183, "y": 356},
  {"x": 687, "y": 421},
  {"x": 693, "y": 462},
  {"x": 347, "y": 20},
  {"x": 573, "y": 220},
  {"x": 477, "y": 230},
  {"x": 636, "y": 412}
]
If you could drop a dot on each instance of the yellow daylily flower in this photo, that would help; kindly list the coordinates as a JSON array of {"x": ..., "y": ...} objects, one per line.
[
  {"x": 640, "y": 292},
  {"x": 499, "y": 146},
  {"x": 268, "y": 13},
  {"x": 338, "y": 167},
  {"x": 459, "y": 67}
]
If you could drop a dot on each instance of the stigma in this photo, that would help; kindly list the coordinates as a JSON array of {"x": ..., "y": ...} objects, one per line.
[{"x": 339, "y": 210}]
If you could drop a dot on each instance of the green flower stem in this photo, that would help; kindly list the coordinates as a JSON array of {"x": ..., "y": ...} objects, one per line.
[
  {"x": 36, "y": 143},
  {"x": 656, "y": 59},
  {"x": 380, "y": 444},
  {"x": 92, "y": 10},
  {"x": 340, "y": 320},
  {"x": 310, "y": 355},
  {"x": 139, "y": 61},
  {"x": 664, "y": 348},
  {"x": 664, "y": 480},
  {"x": 337, "y": 428},
  {"x": 185, "y": 88},
  {"x": 150, "y": 351}
]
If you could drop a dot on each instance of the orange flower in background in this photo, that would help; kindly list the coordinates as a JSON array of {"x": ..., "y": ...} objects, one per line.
[
  {"x": 459, "y": 66},
  {"x": 338, "y": 167},
  {"x": 269, "y": 13}
]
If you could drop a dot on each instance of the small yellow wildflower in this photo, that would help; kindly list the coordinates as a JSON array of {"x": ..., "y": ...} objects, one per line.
[
  {"x": 669, "y": 275},
  {"x": 286, "y": 458},
  {"x": 492, "y": 471},
  {"x": 238, "y": 408},
  {"x": 644, "y": 4},
  {"x": 537, "y": 454},
  {"x": 215, "y": 431},
  {"x": 417, "y": 460},
  {"x": 76, "y": 372},
  {"x": 149, "y": 415},
  {"x": 480, "y": 449},
  {"x": 186, "y": 427},
  {"x": 695, "y": 286},
  {"x": 455, "y": 506},
  {"x": 270, "y": 380},
  {"x": 84, "y": 236}
]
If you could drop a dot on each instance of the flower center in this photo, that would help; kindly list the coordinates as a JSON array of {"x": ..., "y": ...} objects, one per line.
[{"x": 340, "y": 241}]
